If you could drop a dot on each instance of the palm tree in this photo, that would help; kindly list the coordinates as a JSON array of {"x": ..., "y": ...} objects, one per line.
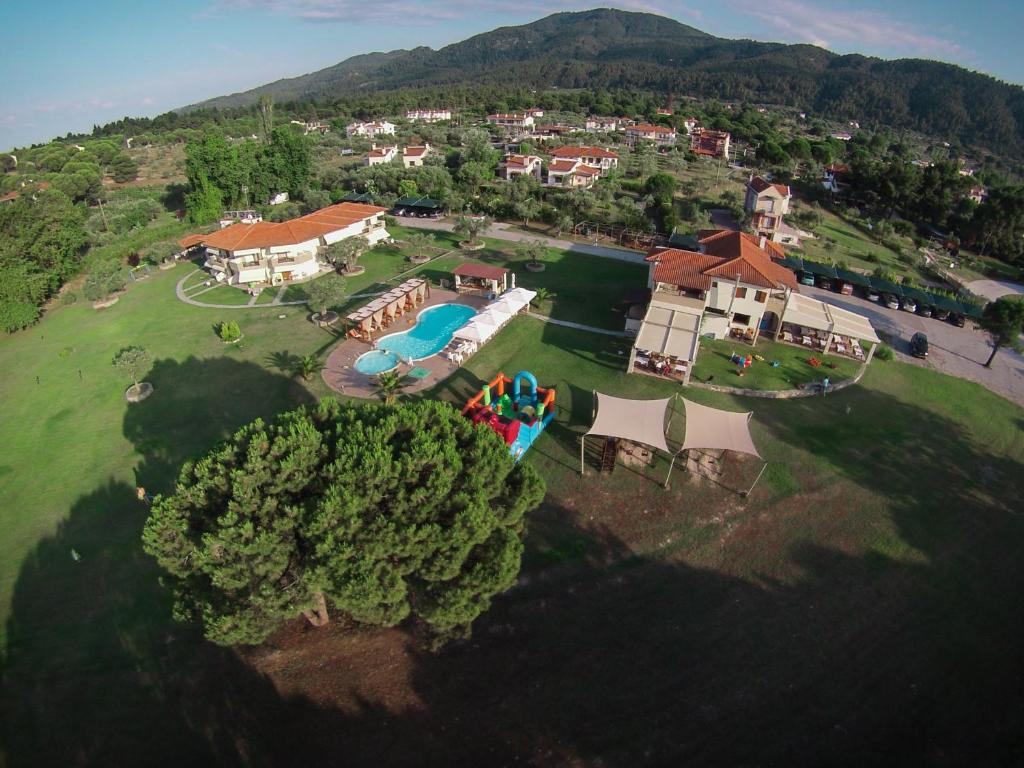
[
  {"x": 543, "y": 294},
  {"x": 307, "y": 365},
  {"x": 389, "y": 386}
]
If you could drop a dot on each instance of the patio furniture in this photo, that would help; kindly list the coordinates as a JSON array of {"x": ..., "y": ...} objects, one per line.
[
  {"x": 807, "y": 342},
  {"x": 787, "y": 336}
]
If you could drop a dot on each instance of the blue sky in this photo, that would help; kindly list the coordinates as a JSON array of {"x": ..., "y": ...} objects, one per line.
[{"x": 66, "y": 65}]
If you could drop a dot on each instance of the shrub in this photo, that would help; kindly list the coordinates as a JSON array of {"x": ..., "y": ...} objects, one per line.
[
  {"x": 105, "y": 279},
  {"x": 884, "y": 352},
  {"x": 228, "y": 330}
]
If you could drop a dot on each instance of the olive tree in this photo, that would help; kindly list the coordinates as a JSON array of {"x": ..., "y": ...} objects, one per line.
[
  {"x": 134, "y": 362},
  {"x": 345, "y": 254},
  {"x": 377, "y": 513},
  {"x": 325, "y": 292}
]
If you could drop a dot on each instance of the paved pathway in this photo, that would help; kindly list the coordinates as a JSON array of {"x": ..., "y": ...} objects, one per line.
[
  {"x": 502, "y": 231},
  {"x": 959, "y": 352},
  {"x": 577, "y": 326},
  {"x": 994, "y": 289},
  {"x": 179, "y": 290}
]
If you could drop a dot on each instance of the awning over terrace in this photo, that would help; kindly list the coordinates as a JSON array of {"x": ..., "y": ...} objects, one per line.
[
  {"x": 811, "y": 313},
  {"x": 669, "y": 328}
]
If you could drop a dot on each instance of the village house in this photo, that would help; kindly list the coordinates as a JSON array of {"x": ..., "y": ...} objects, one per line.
[
  {"x": 731, "y": 287},
  {"x": 834, "y": 175},
  {"x": 520, "y": 165},
  {"x": 842, "y": 135},
  {"x": 767, "y": 203},
  {"x": 602, "y": 124},
  {"x": 535, "y": 112},
  {"x": 413, "y": 157},
  {"x": 370, "y": 130},
  {"x": 595, "y": 157},
  {"x": 381, "y": 155},
  {"x": 511, "y": 120},
  {"x": 571, "y": 173},
  {"x": 709, "y": 142},
  {"x": 689, "y": 123},
  {"x": 664, "y": 112},
  {"x": 314, "y": 126},
  {"x": 266, "y": 253},
  {"x": 428, "y": 115},
  {"x": 978, "y": 194},
  {"x": 659, "y": 134}
]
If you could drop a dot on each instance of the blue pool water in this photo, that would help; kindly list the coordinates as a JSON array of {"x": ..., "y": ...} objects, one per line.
[{"x": 432, "y": 332}]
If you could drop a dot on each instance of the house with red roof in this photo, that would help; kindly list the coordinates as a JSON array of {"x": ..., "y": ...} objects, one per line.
[
  {"x": 767, "y": 203},
  {"x": 520, "y": 165},
  {"x": 413, "y": 157},
  {"x": 572, "y": 174},
  {"x": 595, "y": 157},
  {"x": 370, "y": 130},
  {"x": 659, "y": 134},
  {"x": 709, "y": 142},
  {"x": 381, "y": 155},
  {"x": 512, "y": 120},
  {"x": 272, "y": 253},
  {"x": 733, "y": 280}
]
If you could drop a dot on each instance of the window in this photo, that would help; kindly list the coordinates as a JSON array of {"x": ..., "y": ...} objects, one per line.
[
  {"x": 741, "y": 293},
  {"x": 741, "y": 319},
  {"x": 769, "y": 206},
  {"x": 761, "y": 297}
]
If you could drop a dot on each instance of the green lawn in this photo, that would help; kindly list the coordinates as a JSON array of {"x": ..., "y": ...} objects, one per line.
[
  {"x": 714, "y": 365},
  {"x": 267, "y": 295},
  {"x": 222, "y": 294},
  {"x": 871, "y": 577}
]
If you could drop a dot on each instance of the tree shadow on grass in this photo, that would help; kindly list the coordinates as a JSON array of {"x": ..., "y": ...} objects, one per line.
[{"x": 903, "y": 652}]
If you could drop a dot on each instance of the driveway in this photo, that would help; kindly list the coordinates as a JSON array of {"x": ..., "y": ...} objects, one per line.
[
  {"x": 959, "y": 352},
  {"x": 993, "y": 289},
  {"x": 501, "y": 231}
]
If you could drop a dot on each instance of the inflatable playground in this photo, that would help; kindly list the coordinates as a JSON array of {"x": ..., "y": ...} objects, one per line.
[{"x": 518, "y": 416}]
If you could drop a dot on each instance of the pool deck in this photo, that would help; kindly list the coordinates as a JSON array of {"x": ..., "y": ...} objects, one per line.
[{"x": 341, "y": 376}]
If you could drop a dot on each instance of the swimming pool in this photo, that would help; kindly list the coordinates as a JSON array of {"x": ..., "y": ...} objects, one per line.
[{"x": 432, "y": 332}]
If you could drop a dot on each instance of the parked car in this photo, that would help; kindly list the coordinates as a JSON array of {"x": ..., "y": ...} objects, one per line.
[
  {"x": 924, "y": 310},
  {"x": 846, "y": 289},
  {"x": 872, "y": 295},
  {"x": 892, "y": 302},
  {"x": 958, "y": 320},
  {"x": 919, "y": 345},
  {"x": 806, "y": 278},
  {"x": 824, "y": 283},
  {"x": 942, "y": 314},
  {"x": 909, "y": 305}
]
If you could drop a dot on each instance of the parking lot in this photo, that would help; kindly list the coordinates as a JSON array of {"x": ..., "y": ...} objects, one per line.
[{"x": 955, "y": 351}]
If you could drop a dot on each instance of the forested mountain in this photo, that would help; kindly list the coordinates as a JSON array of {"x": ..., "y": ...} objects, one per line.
[{"x": 618, "y": 49}]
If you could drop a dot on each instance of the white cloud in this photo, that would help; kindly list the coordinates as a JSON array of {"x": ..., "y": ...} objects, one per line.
[
  {"x": 148, "y": 101},
  {"x": 856, "y": 29}
]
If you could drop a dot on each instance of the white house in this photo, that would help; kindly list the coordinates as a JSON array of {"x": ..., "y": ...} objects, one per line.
[
  {"x": 370, "y": 130},
  {"x": 512, "y": 120},
  {"x": 571, "y": 173},
  {"x": 767, "y": 204},
  {"x": 602, "y": 124},
  {"x": 266, "y": 253},
  {"x": 689, "y": 123},
  {"x": 314, "y": 126},
  {"x": 659, "y": 134},
  {"x": 380, "y": 155},
  {"x": 519, "y": 165},
  {"x": 595, "y": 157},
  {"x": 413, "y": 157},
  {"x": 428, "y": 115}
]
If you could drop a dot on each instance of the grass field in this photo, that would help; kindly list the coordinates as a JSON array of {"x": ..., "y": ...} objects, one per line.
[
  {"x": 713, "y": 365},
  {"x": 862, "y": 606}
]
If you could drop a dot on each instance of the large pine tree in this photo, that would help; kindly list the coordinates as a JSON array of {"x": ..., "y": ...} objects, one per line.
[{"x": 380, "y": 513}]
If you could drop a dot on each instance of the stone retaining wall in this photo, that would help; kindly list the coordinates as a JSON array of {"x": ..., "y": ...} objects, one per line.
[{"x": 778, "y": 394}]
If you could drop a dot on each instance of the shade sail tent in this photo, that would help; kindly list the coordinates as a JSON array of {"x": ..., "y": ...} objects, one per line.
[
  {"x": 642, "y": 421},
  {"x": 717, "y": 429}
]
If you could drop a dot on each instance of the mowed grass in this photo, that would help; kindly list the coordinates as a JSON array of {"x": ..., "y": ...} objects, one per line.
[
  {"x": 714, "y": 365},
  {"x": 855, "y": 585},
  {"x": 853, "y": 246}
]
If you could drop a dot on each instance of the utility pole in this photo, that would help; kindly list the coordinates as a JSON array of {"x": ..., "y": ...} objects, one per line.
[{"x": 103, "y": 214}]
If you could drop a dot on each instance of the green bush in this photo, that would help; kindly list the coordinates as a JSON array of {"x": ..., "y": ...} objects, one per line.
[
  {"x": 105, "y": 278},
  {"x": 228, "y": 330},
  {"x": 884, "y": 352}
]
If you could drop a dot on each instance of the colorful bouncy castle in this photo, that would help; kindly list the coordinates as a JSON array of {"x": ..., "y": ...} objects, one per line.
[{"x": 519, "y": 415}]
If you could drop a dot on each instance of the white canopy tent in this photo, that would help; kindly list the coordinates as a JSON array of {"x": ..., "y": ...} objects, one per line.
[
  {"x": 714, "y": 428},
  {"x": 520, "y": 294},
  {"x": 642, "y": 421}
]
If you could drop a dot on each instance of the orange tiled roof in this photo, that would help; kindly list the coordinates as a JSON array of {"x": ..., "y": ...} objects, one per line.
[
  {"x": 726, "y": 254},
  {"x": 568, "y": 152},
  {"x": 265, "y": 234},
  {"x": 414, "y": 151},
  {"x": 759, "y": 185},
  {"x": 586, "y": 170},
  {"x": 562, "y": 166},
  {"x": 190, "y": 240},
  {"x": 648, "y": 128},
  {"x": 381, "y": 151},
  {"x": 521, "y": 160}
]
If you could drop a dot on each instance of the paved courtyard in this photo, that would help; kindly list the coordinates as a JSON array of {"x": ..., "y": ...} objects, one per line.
[
  {"x": 342, "y": 377},
  {"x": 960, "y": 352}
]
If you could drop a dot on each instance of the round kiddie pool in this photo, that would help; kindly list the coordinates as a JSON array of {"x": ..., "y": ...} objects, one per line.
[{"x": 432, "y": 332}]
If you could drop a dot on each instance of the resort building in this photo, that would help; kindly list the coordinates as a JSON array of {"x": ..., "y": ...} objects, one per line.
[
  {"x": 512, "y": 120},
  {"x": 767, "y": 203},
  {"x": 595, "y": 157},
  {"x": 428, "y": 115},
  {"x": 520, "y": 165},
  {"x": 659, "y": 134},
  {"x": 380, "y": 155},
  {"x": 711, "y": 143},
  {"x": 266, "y": 253},
  {"x": 413, "y": 157},
  {"x": 370, "y": 130}
]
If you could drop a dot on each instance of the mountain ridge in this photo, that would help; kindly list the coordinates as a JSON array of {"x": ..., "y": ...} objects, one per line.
[{"x": 607, "y": 48}]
